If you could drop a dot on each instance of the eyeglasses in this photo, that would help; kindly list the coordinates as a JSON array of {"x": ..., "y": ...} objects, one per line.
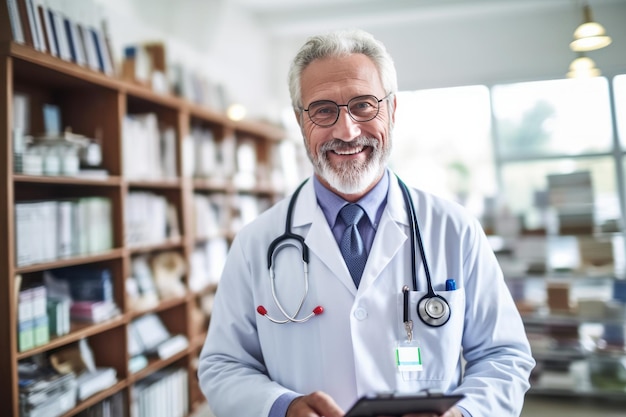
[{"x": 325, "y": 113}]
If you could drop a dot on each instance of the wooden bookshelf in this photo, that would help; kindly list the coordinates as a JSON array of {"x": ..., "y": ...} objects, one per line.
[{"x": 90, "y": 101}]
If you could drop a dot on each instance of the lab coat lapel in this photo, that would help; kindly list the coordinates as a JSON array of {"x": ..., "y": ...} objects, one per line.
[
  {"x": 390, "y": 235},
  {"x": 319, "y": 237}
]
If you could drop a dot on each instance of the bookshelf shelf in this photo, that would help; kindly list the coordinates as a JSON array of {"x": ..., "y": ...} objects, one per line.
[
  {"x": 108, "y": 255},
  {"x": 162, "y": 306},
  {"x": 96, "y": 398},
  {"x": 156, "y": 364},
  {"x": 98, "y": 106},
  {"x": 78, "y": 331},
  {"x": 109, "y": 181}
]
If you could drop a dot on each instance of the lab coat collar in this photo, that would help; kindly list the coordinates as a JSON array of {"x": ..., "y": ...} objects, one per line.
[{"x": 389, "y": 238}]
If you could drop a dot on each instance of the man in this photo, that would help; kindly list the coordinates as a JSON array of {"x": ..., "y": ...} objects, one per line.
[{"x": 283, "y": 343}]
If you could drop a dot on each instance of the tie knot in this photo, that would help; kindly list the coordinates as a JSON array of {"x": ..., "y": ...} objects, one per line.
[{"x": 351, "y": 214}]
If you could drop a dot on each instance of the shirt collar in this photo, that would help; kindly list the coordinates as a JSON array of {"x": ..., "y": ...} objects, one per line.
[{"x": 372, "y": 203}]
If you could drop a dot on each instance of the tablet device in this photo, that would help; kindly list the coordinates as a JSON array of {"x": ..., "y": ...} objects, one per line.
[{"x": 396, "y": 404}]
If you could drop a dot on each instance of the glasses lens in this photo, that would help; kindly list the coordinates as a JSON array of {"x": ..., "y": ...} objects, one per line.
[
  {"x": 364, "y": 108},
  {"x": 323, "y": 113}
]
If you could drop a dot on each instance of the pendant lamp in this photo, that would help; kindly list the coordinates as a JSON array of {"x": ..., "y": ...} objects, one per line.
[
  {"x": 583, "y": 67},
  {"x": 590, "y": 35}
]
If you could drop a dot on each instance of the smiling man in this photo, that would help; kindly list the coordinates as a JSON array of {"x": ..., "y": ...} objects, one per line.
[{"x": 357, "y": 284}]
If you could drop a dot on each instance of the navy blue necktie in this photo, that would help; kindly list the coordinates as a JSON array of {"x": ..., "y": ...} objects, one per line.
[{"x": 351, "y": 245}]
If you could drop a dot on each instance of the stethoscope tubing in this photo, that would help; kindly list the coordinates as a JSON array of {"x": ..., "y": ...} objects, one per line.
[{"x": 433, "y": 315}]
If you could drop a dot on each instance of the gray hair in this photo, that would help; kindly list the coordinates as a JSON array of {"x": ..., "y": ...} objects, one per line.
[{"x": 337, "y": 44}]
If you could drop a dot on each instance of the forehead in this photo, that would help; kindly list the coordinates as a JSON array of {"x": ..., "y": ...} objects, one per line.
[{"x": 340, "y": 78}]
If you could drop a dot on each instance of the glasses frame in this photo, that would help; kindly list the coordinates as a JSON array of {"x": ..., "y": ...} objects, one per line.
[{"x": 347, "y": 106}]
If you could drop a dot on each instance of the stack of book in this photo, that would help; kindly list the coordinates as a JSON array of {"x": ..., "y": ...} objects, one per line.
[
  {"x": 149, "y": 336},
  {"x": 32, "y": 315},
  {"x": 91, "y": 292},
  {"x": 149, "y": 219},
  {"x": 571, "y": 195},
  {"x": 50, "y": 230},
  {"x": 77, "y": 359},
  {"x": 45, "y": 392},
  {"x": 162, "y": 394},
  {"x": 51, "y": 31},
  {"x": 143, "y": 135},
  {"x": 112, "y": 406}
]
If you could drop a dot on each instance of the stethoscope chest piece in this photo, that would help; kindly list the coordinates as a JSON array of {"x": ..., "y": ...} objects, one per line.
[{"x": 433, "y": 310}]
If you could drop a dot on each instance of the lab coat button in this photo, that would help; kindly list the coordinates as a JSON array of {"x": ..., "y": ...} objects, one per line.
[{"x": 360, "y": 313}]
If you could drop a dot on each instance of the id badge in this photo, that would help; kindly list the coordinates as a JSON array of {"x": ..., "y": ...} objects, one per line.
[{"x": 408, "y": 359}]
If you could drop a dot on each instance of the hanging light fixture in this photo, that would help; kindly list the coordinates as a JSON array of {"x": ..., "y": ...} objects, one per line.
[
  {"x": 590, "y": 35},
  {"x": 583, "y": 67}
]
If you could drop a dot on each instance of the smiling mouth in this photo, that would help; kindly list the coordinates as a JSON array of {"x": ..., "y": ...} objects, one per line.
[{"x": 350, "y": 151}]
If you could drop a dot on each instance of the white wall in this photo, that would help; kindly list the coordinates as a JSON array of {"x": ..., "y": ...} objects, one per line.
[
  {"x": 468, "y": 42},
  {"x": 483, "y": 48},
  {"x": 212, "y": 37}
]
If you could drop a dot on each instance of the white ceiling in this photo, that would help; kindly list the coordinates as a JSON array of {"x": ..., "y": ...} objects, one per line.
[
  {"x": 285, "y": 17},
  {"x": 434, "y": 43}
]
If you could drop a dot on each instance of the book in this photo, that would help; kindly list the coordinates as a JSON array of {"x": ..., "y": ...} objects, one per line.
[
  {"x": 93, "y": 217},
  {"x": 36, "y": 26},
  {"x": 48, "y": 32},
  {"x": 91, "y": 51},
  {"x": 87, "y": 282},
  {"x": 25, "y": 22},
  {"x": 77, "y": 49},
  {"x": 142, "y": 273},
  {"x": 58, "y": 310},
  {"x": 66, "y": 228},
  {"x": 91, "y": 382},
  {"x": 25, "y": 223},
  {"x": 41, "y": 330},
  {"x": 15, "y": 21},
  {"x": 25, "y": 320},
  {"x": 150, "y": 332},
  {"x": 93, "y": 311},
  {"x": 102, "y": 50},
  {"x": 60, "y": 35},
  {"x": 51, "y": 119},
  {"x": 172, "y": 346},
  {"x": 161, "y": 394},
  {"x": 47, "y": 236}
]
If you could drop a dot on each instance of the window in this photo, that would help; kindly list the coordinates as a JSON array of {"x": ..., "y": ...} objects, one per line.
[
  {"x": 555, "y": 117},
  {"x": 442, "y": 143},
  {"x": 619, "y": 92},
  {"x": 554, "y": 127}
]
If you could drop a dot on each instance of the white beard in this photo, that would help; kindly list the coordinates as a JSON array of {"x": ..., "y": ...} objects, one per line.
[{"x": 351, "y": 177}]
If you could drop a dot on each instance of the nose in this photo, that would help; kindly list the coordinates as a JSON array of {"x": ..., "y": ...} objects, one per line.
[{"x": 346, "y": 128}]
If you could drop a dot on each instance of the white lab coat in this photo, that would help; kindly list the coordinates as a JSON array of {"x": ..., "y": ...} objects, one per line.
[{"x": 348, "y": 351}]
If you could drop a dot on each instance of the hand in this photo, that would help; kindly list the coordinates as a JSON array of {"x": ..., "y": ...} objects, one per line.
[
  {"x": 316, "y": 404},
  {"x": 453, "y": 412}
]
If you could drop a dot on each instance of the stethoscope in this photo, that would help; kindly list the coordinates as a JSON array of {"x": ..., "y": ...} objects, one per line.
[{"x": 432, "y": 309}]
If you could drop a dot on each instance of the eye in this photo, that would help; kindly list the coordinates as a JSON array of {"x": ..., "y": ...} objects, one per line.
[
  {"x": 363, "y": 106},
  {"x": 323, "y": 109}
]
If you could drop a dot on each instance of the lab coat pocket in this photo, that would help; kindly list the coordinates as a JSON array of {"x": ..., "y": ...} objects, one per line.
[{"x": 440, "y": 347}]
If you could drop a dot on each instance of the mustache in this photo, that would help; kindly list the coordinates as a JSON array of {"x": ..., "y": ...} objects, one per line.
[{"x": 338, "y": 144}]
